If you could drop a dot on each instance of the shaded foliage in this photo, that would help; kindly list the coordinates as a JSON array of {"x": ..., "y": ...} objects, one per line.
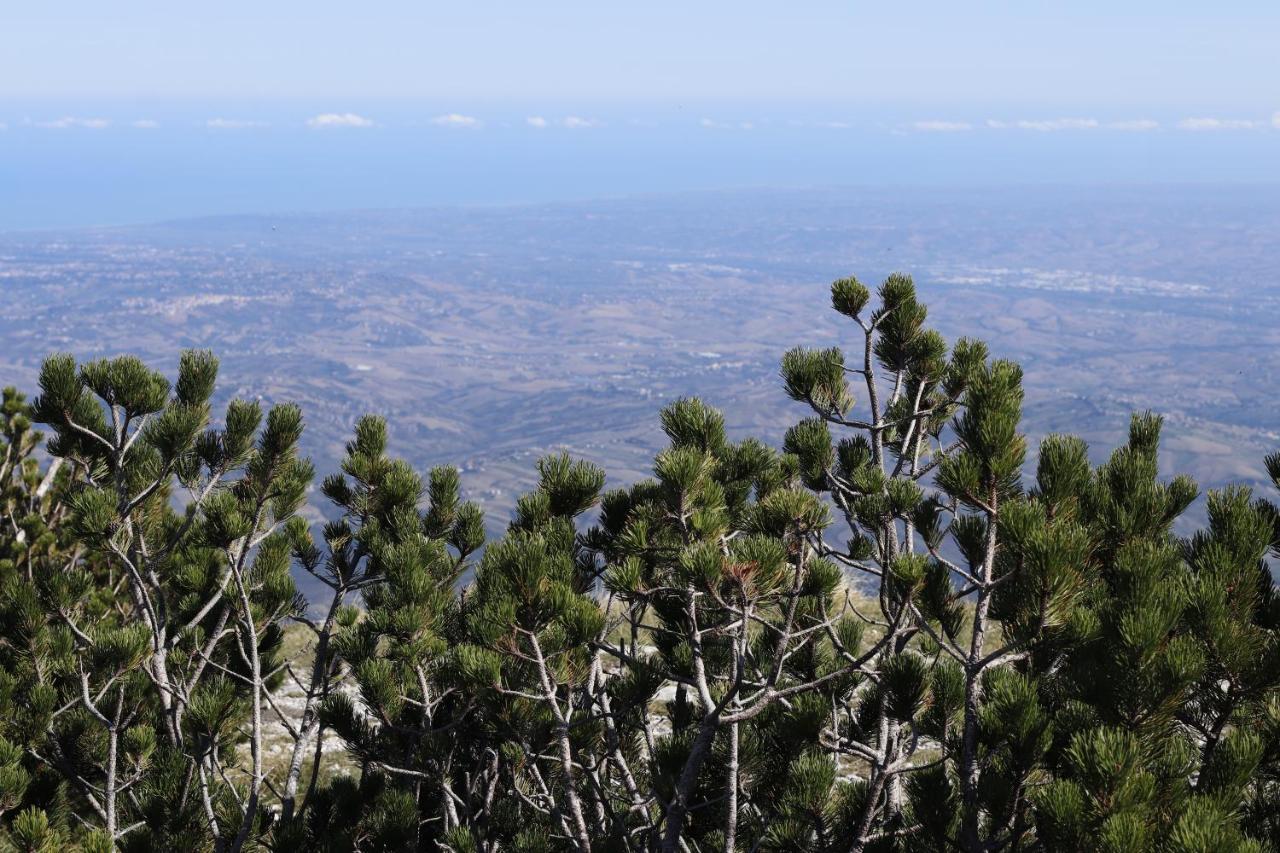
[{"x": 904, "y": 629}]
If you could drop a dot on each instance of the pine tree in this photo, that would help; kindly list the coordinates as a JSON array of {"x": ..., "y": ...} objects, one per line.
[
  {"x": 151, "y": 644},
  {"x": 37, "y": 544},
  {"x": 934, "y": 658},
  {"x": 406, "y": 724},
  {"x": 719, "y": 592},
  {"x": 887, "y": 635},
  {"x": 1164, "y": 695}
]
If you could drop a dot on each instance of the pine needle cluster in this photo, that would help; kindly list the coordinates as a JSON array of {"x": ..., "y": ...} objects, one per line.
[{"x": 902, "y": 630}]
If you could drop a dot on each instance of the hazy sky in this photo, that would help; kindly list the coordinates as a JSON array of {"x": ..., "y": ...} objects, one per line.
[
  {"x": 142, "y": 110},
  {"x": 1086, "y": 54}
]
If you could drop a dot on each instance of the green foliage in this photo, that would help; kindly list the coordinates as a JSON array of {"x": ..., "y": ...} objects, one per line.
[
  {"x": 888, "y": 634},
  {"x": 136, "y": 636}
]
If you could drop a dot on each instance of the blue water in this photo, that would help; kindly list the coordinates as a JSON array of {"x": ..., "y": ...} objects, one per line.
[{"x": 73, "y": 176}]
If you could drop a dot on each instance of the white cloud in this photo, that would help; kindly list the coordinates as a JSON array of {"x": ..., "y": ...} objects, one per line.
[
  {"x": 726, "y": 125},
  {"x": 1275, "y": 121},
  {"x": 3, "y": 126},
  {"x": 536, "y": 121},
  {"x": 456, "y": 120},
  {"x": 73, "y": 121},
  {"x": 232, "y": 123},
  {"x": 145, "y": 124},
  {"x": 833, "y": 125},
  {"x": 1218, "y": 124},
  {"x": 936, "y": 126},
  {"x": 338, "y": 120},
  {"x": 1138, "y": 124},
  {"x": 577, "y": 122},
  {"x": 1045, "y": 125}
]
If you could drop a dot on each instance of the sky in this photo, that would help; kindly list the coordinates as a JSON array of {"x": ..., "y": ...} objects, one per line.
[
  {"x": 143, "y": 110},
  {"x": 1149, "y": 55}
]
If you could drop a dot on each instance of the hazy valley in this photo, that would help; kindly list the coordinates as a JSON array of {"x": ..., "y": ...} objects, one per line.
[{"x": 488, "y": 336}]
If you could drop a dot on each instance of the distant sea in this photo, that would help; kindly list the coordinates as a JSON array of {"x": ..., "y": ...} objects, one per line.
[{"x": 102, "y": 163}]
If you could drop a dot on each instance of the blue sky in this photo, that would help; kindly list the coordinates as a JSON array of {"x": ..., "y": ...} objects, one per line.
[
  {"x": 145, "y": 109},
  {"x": 1138, "y": 54},
  {"x": 1084, "y": 54}
]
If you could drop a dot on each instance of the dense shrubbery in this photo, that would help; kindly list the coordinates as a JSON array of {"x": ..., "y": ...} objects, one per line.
[{"x": 879, "y": 637}]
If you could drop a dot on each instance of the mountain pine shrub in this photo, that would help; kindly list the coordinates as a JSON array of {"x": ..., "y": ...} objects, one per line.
[{"x": 904, "y": 629}]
